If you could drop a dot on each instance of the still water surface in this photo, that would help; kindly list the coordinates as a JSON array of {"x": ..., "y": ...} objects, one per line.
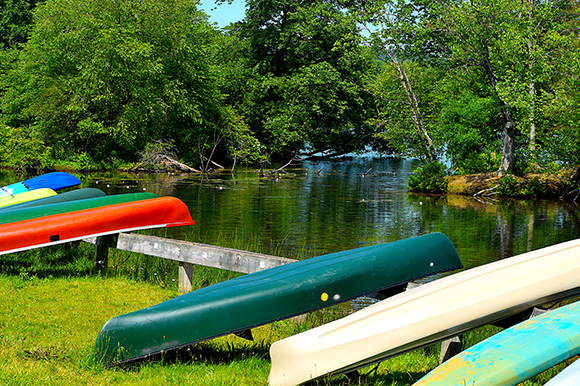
[{"x": 328, "y": 206}]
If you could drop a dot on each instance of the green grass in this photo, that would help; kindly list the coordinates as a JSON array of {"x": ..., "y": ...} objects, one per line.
[{"x": 53, "y": 306}]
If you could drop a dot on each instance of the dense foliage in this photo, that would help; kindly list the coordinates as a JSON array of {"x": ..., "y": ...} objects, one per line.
[{"x": 480, "y": 86}]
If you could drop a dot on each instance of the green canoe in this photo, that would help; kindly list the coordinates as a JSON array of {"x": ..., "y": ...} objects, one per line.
[
  {"x": 73, "y": 195},
  {"x": 273, "y": 294},
  {"x": 72, "y": 206}
]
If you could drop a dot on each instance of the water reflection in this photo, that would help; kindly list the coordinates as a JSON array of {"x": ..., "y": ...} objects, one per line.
[{"x": 322, "y": 207}]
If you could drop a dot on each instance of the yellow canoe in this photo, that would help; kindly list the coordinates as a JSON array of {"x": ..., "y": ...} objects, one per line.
[{"x": 26, "y": 196}]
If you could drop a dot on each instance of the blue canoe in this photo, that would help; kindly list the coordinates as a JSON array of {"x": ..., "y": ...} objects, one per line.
[
  {"x": 54, "y": 181},
  {"x": 515, "y": 354}
]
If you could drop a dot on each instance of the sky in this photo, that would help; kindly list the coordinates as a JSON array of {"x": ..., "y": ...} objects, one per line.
[{"x": 224, "y": 14}]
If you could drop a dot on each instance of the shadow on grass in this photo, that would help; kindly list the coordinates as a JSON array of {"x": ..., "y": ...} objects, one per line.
[
  {"x": 210, "y": 353},
  {"x": 368, "y": 377},
  {"x": 65, "y": 260},
  {"x": 204, "y": 352}
]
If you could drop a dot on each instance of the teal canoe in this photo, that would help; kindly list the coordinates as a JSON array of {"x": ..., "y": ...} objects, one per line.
[
  {"x": 277, "y": 293},
  {"x": 72, "y": 206},
  {"x": 54, "y": 181},
  {"x": 73, "y": 195},
  {"x": 515, "y": 354}
]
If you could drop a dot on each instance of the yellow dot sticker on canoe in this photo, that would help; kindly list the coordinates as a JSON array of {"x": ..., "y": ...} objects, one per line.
[{"x": 324, "y": 296}]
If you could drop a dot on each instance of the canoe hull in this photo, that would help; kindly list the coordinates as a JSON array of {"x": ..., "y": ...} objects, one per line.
[
  {"x": 26, "y": 197},
  {"x": 73, "y": 195},
  {"x": 515, "y": 354},
  {"x": 71, "y": 226},
  {"x": 35, "y": 212},
  {"x": 273, "y": 294},
  {"x": 429, "y": 313},
  {"x": 54, "y": 181}
]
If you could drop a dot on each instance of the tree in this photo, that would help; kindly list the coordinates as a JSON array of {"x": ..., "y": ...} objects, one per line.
[
  {"x": 15, "y": 21},
  {"x": 309, "y": 69},
  {"x": 104, "y": 77},
  {"x": 404, "y": 124},
  {"x": 512, "y": 43},
  {"x": 466, "y": 121},
  {"x": 399, "y": 39}
]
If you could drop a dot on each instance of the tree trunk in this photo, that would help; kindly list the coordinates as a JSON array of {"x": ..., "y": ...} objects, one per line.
[
  {"x": 532, "y": 85},
  {"x": 424, "y": 138},
  {"x": 508, "y": 130},
  {"x": 508, "y": 159},
  {"x": 532, "y": 118}
]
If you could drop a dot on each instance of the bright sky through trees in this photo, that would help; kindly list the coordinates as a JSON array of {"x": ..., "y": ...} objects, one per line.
[{"x": 225, "y": 13}]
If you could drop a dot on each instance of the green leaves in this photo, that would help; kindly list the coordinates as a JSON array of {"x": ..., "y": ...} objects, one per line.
[
  {"x": 307, "y": 88},
  {"x": 104, "y": 75}
]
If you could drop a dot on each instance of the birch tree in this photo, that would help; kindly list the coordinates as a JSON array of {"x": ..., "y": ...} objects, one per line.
[
  {"x": 390, "y": 26},
  {"x": 513, "y": 44}
]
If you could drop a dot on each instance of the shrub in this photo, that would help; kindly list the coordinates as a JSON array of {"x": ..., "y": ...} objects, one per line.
[
  {"x": 23, "y": 149},
  {"x": 429, "y": 178},
  {"x": 511, "y": 186}
]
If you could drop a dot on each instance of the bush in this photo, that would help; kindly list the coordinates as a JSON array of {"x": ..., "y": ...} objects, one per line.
[
  {"x": 23, "y": 149},
  {"x": 512, "y": 186},
  {"x": 429, "y": 178}
]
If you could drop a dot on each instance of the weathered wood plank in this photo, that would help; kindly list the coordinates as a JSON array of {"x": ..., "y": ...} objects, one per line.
[
  {"x": 185, "y": 278},
  {"x": 450, "y": 348},
  {"x": 196, "y": 253}
]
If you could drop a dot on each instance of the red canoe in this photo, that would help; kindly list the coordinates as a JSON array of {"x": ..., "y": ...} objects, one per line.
[{"x": 62, "y": 228}]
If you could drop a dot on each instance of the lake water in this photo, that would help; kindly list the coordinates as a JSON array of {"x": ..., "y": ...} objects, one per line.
[{"x": 328, "y": 206}]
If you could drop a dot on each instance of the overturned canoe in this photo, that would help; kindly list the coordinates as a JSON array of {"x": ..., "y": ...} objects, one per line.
[
  {"x": 515, "y": 354},
  {"x": 54, "y": 181},
  {"x": 273, "y": 294},
  {"x": 70, "y": 226},
  {"x": 32, "y": 212},
  {"x": 570, "y": 376},
  {"x": 73, "y": 195},
  {"x": 26, "y": 196},
  {"x": 426, "y": 314}
]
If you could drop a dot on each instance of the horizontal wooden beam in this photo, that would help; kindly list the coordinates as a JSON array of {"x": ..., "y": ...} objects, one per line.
[{"x": 196, "y": 253}]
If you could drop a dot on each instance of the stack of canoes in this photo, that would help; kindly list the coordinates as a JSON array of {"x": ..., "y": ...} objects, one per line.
[
  {"x": 33, "y": 215},
  {"x": 36, "y": 188},
  {"x": 432, "y": 312},
  {"x": 515, "y": 354},
  {"x": 51, "y": 219}
]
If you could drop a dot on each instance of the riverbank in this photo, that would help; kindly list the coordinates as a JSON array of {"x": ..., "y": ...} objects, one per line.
[{"x": 509, "y": 186}]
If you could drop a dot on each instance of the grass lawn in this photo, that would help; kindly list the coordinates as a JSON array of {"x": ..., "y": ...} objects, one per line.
[{"x": 52, "y": 309}]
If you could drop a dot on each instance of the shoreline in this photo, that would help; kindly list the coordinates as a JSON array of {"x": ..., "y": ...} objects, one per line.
[{"x": 528, "y": 186}]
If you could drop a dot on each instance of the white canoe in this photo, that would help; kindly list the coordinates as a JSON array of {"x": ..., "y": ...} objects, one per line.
[
  {"x": 429, "y": 313},
  {"x": 570, "y": 376}
]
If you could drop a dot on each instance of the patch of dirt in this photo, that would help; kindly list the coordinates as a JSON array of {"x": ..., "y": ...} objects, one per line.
[
  {"x": 527, "y": 186},
  {"x": 470, "y": 184}
]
